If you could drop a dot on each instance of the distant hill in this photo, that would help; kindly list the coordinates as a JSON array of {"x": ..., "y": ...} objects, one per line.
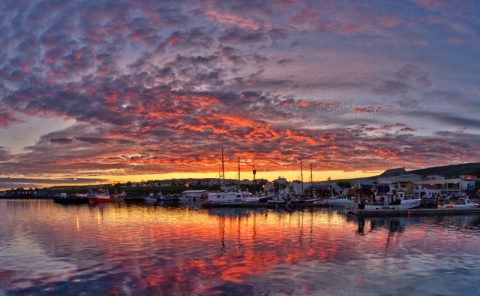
[{"x": 451, "y": 171}]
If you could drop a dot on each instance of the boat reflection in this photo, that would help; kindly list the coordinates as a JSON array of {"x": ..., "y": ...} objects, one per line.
[
  {"x": 135, "y": 249},
  {"x": 392, "y": 224},
  {"x": 231, "y": 212},
  {"x": 399, "y": 224}
]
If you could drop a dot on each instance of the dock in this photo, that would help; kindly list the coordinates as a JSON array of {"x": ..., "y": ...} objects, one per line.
[
  {"x": 263, "y": 205},
  {"x": 414, "y": 212}
]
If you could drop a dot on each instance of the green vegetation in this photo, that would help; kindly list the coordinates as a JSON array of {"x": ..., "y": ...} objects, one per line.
[{"x": 451, "y": 171}]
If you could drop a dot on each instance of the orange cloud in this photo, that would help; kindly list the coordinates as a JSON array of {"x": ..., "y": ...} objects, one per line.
[{"x": 231, "y": 19}]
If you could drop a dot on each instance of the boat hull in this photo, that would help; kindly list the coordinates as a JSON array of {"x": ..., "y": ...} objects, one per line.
[
  {"x": 99, "y": 199},
  {"x": 404, "y": 205}
]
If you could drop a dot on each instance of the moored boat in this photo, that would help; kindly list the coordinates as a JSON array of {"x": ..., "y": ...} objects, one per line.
[
  {"x": 151, "y": 199},
  {"x": 77, "y": 198},
  {"x": 100, "y": 196},
  {"x": 339, "y": 201},
  {"x": 231, "y": 195},
  {"x": 394, "y": 199},
  {"x": 168, "y": 197},
  {"x": 118, "y": 197},
  {"x": 276, "y": 200}
]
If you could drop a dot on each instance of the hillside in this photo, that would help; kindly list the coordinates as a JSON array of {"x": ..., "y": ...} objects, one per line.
[{"x": 451, "y": 171}]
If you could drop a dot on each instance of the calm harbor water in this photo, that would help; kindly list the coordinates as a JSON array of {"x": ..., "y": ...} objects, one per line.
[{"x": 115, "y": 249}]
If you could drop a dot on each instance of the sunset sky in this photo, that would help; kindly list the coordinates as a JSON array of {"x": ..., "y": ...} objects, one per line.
[{"x": 114, "y": 91}]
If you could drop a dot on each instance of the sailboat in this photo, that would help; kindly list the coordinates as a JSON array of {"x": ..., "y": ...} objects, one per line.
[{"x": 230, "y": 194}]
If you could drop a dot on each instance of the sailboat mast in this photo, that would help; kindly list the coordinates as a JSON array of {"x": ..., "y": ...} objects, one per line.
[
  {"x": 301, "y": 173},
  {"x": 223, "y": 170},
  {"x": 311, "y": 180}
]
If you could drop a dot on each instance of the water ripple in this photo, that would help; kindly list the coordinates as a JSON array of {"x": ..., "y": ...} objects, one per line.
[{"x": 138, "y": 250}]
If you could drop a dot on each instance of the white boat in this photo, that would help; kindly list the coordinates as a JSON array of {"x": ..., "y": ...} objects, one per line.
[
  {"x": 151, "y": 199},
  {"x": 99, "y": 197},
  {"x": 118, "y": 197},
  {"x": 276, "y": 200},
  {"x": 339, "y": 201},
  {"x": 279, "y": 199},
  {"x": 462, "y": 202},
  {"x": 231, "y": 195},
  {"x": 394, "y": 199},
  {"x": 168, "y": 197}
]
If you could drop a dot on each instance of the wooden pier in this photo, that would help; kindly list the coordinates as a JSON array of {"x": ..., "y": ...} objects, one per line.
[{"x": 414, "y": 212}]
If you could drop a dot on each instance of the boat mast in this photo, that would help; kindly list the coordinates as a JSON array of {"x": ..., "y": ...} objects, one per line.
[
  {"x": 223, "y": 170},
  {"x": 239, "y": 169},
  {"x": 311, "y": 180},
  {"x": 254, "y": 182},
  {"x": 301, "y": 173}
]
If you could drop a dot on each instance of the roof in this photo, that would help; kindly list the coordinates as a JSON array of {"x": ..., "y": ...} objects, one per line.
[{"x": 326, "y": 185}]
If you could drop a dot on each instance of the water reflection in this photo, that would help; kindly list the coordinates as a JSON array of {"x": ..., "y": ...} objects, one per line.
[{"x": 180, "y": 249}]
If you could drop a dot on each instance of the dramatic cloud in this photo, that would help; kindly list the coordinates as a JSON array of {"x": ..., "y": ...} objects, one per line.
[{"x": 157, "y": 87}]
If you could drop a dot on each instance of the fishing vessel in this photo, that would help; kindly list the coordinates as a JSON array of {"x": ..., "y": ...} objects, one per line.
[
  {"x": 395, "y": 198},
  {"x": 231, "y": 195},
  {"x": 100, "y": 196}
]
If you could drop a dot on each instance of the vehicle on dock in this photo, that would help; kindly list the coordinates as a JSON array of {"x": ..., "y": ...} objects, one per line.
[{"x": 463, "y": 202}]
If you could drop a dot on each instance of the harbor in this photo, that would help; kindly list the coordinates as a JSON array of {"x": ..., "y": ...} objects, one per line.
[{"x": 175, "y": 248}]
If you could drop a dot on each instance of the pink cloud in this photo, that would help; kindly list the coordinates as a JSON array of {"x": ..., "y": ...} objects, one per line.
[
  {"x": 433, "y": 5},
  {"x": 421, "y": 42},
  {"x": 389, "y": 22},
  {"x": 455, "y": 40}
]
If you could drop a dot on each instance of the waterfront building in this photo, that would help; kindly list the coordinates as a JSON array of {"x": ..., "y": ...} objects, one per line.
[
  {"x": 324, "y": 188},
  {"x": 296, "y": 187},
  {"x": 26, "y": 193},
  {"x": 426, "y": 191},
  {"x": 454, "y": 186},
  {"x": 281, "y": 181}
]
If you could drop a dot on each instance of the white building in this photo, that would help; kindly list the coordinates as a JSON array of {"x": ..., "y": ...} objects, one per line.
[
  {"x": 426, "y": 191},
  {"x": 451, "y": 186},
  {"x": 280, "y": 181}
]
